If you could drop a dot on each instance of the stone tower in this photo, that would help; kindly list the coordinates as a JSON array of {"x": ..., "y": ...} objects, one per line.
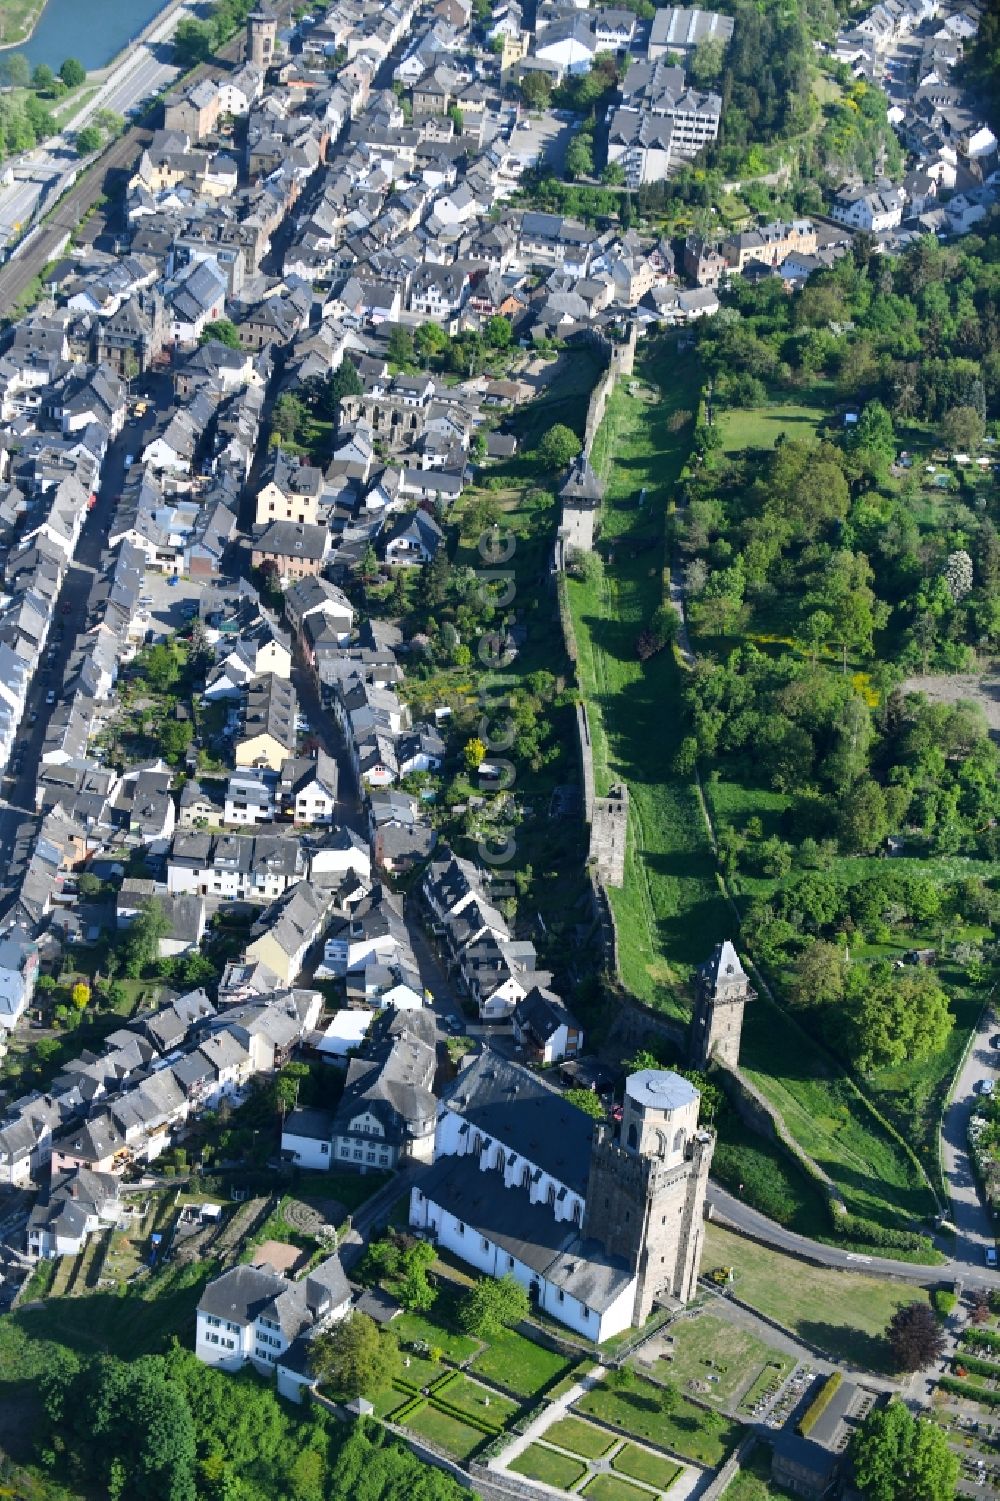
[
  {"x": 262, "y": 31},
  {"x": 646, "y": 1190},
  {"x": 722, "y": 991}
]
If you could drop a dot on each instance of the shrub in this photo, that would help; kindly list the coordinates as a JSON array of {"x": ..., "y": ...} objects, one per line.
[
  {"x": 944, "y": 1302},
  {"x": 969, "y": 1390}
]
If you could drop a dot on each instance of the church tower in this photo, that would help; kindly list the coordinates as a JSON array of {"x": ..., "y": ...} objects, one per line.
[
  {"x": 646, "y": 1190},
  {"x": 262, "y": 31},
  {"x": 722, "y": 991}
]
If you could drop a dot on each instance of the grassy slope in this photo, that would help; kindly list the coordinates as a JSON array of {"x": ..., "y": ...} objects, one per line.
[
  {"x": 669, "y": 913},
  {"x": 844, "y": 1313}
]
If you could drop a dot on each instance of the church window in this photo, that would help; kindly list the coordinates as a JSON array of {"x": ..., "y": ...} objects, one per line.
[
  {"x": 526, "y": 1177},
  {"x": 552, "y": 1195},
  {"x": 679, "y": 1141},
  {"x": 501, "y": 1160},
  {"x": 633, "y": 1135}
]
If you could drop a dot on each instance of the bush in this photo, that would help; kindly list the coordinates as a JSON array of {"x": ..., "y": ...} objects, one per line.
[
  {"x": 969, "y": 1390},
  {"x": 943, "y": 1302},
  {"x": 817, "y": 1407},
  {"x": 985, "y": 1338},
  {"x": 978, "y": 1367}
]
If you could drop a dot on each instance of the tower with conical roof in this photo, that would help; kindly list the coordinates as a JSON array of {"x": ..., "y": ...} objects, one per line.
[{"x": 722, "y": 992}]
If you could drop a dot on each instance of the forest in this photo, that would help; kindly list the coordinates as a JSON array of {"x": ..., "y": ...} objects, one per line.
[
  {"x": 839, "y": 571},
  {"x": 210, "y": 1436}
]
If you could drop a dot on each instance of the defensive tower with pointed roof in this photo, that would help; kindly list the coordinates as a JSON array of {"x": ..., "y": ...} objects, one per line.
[{"x": 722, "y": 992}]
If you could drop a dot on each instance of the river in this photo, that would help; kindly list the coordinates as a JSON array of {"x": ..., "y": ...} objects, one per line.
[{"x": 91, "y": 30}]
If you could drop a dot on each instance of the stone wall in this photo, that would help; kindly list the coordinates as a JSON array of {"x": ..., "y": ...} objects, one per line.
[{"x": 609, "y": 835}]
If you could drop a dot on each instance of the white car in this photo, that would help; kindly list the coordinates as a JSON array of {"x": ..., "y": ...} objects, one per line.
[{"x": 986, "y": 1086}]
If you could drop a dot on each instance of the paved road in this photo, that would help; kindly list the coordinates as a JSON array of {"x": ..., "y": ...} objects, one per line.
[
  {"x": 973, "y": 1222},
  {"x": 732, "y": 1214}
]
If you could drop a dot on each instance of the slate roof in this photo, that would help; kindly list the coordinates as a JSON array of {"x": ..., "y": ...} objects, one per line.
[{"x": 514, "y": 1106}]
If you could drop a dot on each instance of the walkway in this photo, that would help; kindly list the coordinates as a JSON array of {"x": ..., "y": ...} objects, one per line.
[{"x": 689, "y": 1483}]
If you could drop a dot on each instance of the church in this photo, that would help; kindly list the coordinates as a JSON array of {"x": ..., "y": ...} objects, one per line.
[{"x": 596, "y": 1220}]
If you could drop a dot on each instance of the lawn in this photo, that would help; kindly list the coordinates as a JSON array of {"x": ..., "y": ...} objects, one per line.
[
  {"x": 519, "y": 1364},
  {"x": 642, "y": 1465},
  {"x": 705, "y": 1347},
  {"x": 844, "y": 1313},
  {"x": 829, "y": 1116},
  {"x": 760, "y": 427},
  {"x": 670, "y": 911},
  {"x": 579, "y": 1437},
  {"x": 456, "y": 1438},
  {"x": 689, "y": 1430},
  {"x": 469, "y": 1396},
  {"x": 571, "y": 1378},
  {"x": 548, "y": 1466},
  {"x": 440, "y": 1332},
  {"x": 613, "y": 1488}
]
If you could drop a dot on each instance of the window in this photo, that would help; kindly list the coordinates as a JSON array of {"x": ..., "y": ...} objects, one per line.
[
  {"x": 633, "y": 1136},
  {"x": 324, "y": 1148},
  {"x": 510, "y": 1263},
  {"x": 460, "y": 1228},
  {"x": 562, "y": 1296},
  {"x": 486, "y": 1244}
]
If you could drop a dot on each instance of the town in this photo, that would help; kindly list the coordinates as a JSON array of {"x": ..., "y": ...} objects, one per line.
[{"x": 434, "y": 475}]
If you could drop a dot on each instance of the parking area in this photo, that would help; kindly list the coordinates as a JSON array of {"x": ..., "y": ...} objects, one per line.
[{"x": 170, "y": 603}]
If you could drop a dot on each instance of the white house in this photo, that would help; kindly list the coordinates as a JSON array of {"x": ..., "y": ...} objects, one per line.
[
  {"x": 306, "y": 1137},
  {"x": 251, "y": 1314}
]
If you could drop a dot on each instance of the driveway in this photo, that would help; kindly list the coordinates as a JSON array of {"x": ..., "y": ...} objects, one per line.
[{"x": 973, "y": 1222}]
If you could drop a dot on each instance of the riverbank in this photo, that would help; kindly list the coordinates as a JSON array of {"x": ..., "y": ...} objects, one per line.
[{"x": 19, "y": 17}]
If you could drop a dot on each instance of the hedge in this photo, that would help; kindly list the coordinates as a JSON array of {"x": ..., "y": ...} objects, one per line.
[
  {"x": 978, "y": 1367},
  {"x": 856, "y": 1227},
  {"x": 985, "y": 1337},
  {"x": 944, "y": 1301},
  {"x": 970, "y": 1390},
  {"x": 473, "y": 1420},
  {"x": 817, "y": 1407}
]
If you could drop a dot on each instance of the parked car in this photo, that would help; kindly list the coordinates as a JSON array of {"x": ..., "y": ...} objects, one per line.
[
  {"x": 991, "y": 1256},
  {"x": 50, "y": 697},
  {"x": 986, "y": 1086}
]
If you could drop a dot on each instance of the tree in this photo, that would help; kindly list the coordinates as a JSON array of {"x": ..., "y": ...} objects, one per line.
[
  {"x": 559, "y": 447},
  {"x": 287, "y": 416},
  {"x": 536, "y": 90},
  {"x": 706, "y": 64},
  {"x": 818, "y": 974},
  {"x": 15, "y": 70},
  {"x": 221, "y": 331},
  {"x": 43, "y": 79},
  {"x": 473, "y": 754},
  {"x": 875, "y": 433},
  {"x": 915, "y": 1337},
  {"x": 72, "y": 73},
  {"x": 345, "y": 381},
  {"x": 430, "y": 341},
  {"x": 88, "y": 139},
  {"x": 613, "y": 175},
  {"x": 400, "y": 345},
  {"x": 173, "y": 737},
  {"x": 962, "y": 429},
  {"x": 499, "y": 332},
  {"x": 80, "y": 995},
  {"x": 898, "y": 1457},
  {"x": 354, "y": 1359},
  {"x": 579, "y": 157},
  {"x": 192, "y": 43},
  {"x": 415, "y": 1292},
  {"x": 958, "y": 574},
  {"x": 142, "y": 944},
  {"x": 492, "y": 1305},
  {"x": 587, "y": 1101},
  {"x": 891, "y": 1016}
]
